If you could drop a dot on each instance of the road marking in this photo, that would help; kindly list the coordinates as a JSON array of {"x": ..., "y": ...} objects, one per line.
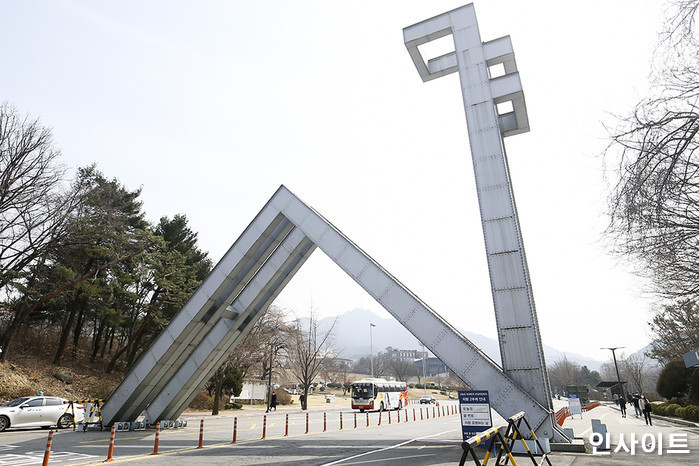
[
  {"x": 398, "y": 445},
  {"x": 37, "y": 457}
]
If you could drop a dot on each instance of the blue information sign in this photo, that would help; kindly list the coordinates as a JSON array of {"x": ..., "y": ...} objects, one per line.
[{"x": 475, "y": 412}]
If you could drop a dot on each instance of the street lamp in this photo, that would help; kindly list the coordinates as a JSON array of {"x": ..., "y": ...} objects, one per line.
[
  {"x": 371, "y": 348},
  {"x": 424, "y": 377},
  {"x": 616, "y": 367},
  {"x": 274, "y": 347}
]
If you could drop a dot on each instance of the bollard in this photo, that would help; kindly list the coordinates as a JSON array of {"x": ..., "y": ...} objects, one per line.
[
  {"x": 380, "y": 414},
  {"x": 264, "y": 426},
  {"x": 406, "y": 415},
  {"x": 421, "y": 418},
  {"x": 235, "y": 429},
  {"x": 367, "y": 419},
  {"x": 201, "y": 434},
  {"x": 355, "y": 419},
  {"x": 434, "y": 409},
  {"x": 157, "y": 439},
  {"x": 340, "y": 420},
  {"x": 398, "y": 415},
  {"x": 389, "y": 417},
  {"x": 306, "y": 422},
  {"x": 286, "y": 429},
  {"x": 110, "y": 452},
  {"x": 325, "y": 422},
  {"x": 48, "y": 449},
  {"x": 414, "y": 414}
]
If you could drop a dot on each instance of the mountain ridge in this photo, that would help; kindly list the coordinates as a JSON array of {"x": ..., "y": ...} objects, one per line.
[{"x": 389, "y": 332}]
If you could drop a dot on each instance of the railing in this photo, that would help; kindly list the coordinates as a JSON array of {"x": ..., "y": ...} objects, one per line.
[{"x": 563, "y": 413}]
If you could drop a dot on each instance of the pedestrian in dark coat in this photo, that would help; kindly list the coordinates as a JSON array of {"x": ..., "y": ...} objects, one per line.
[
  {"x": 622, "y": 406},
  {"x": 273, "y": 401},
  {"x": 638, "y": 409},
  {"x": 647, "y": 409}
]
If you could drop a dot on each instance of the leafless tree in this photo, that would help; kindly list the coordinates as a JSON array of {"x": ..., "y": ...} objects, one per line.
[
  {"x": 675, "y": 330},
  {"x": 564, "y": 373},
  {"x": 654, "y": 203},
  {"x": 252, "y": 356},
  {"x": 309, "y": 349},
  {"x": 400, "y": 368},
  {"x": 636, "y": 371},
  {"x": 32, "y": 199}
]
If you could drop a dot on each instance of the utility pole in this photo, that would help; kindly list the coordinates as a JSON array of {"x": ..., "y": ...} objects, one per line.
[
  {"x": 616, "y": 367},
  {"x": 424, "y": 376},
  {"x": 371, "y": 348}
]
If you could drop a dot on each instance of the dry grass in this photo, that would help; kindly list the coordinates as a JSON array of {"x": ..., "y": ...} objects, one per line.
[{"x": 29, "y": 370}]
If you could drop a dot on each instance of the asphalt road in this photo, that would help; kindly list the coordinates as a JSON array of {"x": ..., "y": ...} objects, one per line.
[{"x": 434, "y": 441}]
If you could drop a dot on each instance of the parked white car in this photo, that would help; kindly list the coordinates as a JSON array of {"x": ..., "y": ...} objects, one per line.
[{"x": 39, "y": 411}]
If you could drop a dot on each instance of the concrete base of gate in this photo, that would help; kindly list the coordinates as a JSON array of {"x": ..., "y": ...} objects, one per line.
[{"x": 575, "y": 446}]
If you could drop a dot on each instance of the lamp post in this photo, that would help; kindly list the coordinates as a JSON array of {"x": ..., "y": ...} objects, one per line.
[
  {"x": 424, "y": 377},
  {"x": 371, "y": 348},
  {"x": 274, "y": 347},
  {"x": 616, "y": 367}
]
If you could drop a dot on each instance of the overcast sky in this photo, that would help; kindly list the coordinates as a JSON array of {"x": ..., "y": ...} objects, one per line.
[{"x": 210, "y": 105}]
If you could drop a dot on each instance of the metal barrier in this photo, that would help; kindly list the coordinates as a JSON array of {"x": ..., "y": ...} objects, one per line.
[
  {"x": 506, "y": 443},
  {"x": 491, "y": 434},
  {"x": 92, "y": 410}
]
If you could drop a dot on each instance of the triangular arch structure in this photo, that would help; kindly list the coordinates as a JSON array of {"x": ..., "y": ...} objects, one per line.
[{"x": 247, "y": 280}]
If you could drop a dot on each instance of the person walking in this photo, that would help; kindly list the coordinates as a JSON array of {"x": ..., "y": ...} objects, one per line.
[
  {"x": 273, "y": 401},
  {"x": 647, "y": 409},
  {"x": 638, "y": 409},
  {"x": 622, "y": 405}
]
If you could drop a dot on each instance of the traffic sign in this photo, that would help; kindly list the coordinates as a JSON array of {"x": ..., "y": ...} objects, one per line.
[{"x": 475, "y": 412}]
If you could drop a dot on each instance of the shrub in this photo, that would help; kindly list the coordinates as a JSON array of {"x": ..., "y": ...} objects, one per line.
[
  {"x": 660, "y": 409},
  {"x": 691, "y": 413},
  {"x": 672, "y": 409},
  {"x": 202, "y": 402},
  {"x": 233, "y": 406},
  {"x": 283, "y": 398}
]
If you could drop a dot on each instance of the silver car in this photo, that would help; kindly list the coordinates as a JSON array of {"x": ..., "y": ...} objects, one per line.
[{"x": 40, "y": 411}]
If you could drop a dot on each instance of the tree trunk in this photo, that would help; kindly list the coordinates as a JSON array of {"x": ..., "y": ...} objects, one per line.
[
  {"x": 12, "y": 329},
  {"x": 71, "y": 311},
  {"x": 78, "y": 330},
  {"x": 146, "y": 319},
  {"x": 97, "y": 339},
  {"x": 218, "y": 387}
]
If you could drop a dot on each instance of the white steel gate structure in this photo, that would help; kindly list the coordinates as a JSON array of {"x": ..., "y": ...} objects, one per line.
[
  {"x": 243, "y": 285},
  {"x": 286, "y": 231}
]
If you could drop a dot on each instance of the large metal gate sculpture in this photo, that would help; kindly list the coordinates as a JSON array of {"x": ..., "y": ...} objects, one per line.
[
  {"x": 243, "y": 285},
  {"x": 286, "y": 231}
]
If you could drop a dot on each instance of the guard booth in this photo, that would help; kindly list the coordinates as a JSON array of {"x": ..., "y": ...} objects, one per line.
[
  {"x": 582, "y": 391},
  {"x": 614, "y": 387}
]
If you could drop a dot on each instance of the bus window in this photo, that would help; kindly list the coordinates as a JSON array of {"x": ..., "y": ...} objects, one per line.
[{"x": 363, "y": 391}]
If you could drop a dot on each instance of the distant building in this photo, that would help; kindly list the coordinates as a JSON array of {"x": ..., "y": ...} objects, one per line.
[
  {"x": 433, "y": 366},
  {"x": 403, "y": 354}
]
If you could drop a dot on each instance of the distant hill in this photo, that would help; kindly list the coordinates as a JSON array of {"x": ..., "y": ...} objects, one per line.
[{"x": 354, "y": 343}]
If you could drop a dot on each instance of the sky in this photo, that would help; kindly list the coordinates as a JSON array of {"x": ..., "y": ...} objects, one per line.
[{"x": 209, "y": 106}]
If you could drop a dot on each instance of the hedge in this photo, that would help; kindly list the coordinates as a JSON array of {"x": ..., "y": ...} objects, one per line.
[{"x": 690, "y": 412}]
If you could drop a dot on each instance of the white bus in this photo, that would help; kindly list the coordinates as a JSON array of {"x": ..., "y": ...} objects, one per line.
[{"x": 379, "y": 394}]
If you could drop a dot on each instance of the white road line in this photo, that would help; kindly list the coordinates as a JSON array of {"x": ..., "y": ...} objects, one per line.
[{"x": 388, "y": 448}]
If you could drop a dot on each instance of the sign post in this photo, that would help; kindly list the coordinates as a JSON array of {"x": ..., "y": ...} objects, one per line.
[
  {"x": 574, "y": 405},
  {"x": 475, "y": 412}
]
